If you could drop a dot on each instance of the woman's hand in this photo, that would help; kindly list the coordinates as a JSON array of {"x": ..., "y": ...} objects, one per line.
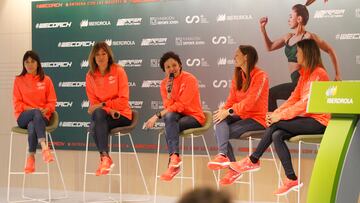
[
  {"x": 92, "y": 108},
  {"x": 263, "y": 21},
  {"x": 272, "y": 118},
  {"x": 220, "y": 115},
  {"x": 44, "y": 111},
  {"x": 151, "y": 122}
]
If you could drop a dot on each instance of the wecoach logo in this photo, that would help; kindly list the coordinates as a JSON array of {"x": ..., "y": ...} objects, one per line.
[
  {"x": 155, "y": 63},
  {"x": 153, "y": 41},
  {"x": 53, "y": 25},
  {"x": 195, "y": 19},
  {"x": 165, "y": 20},
  {"x": 76, "y": 44},
  {"x": 64, "y": 104},
  {"x": 151, "y": 83},
  {"x": 223, "y": 61},
  {"x": 346, "y": 36},
  {"x": 128, "y": 21},
  {"x": 224, "y": 17},
  {"x": 71, "y": 84},
  {"x": 131, "y": 62},
  {"x": 87, "y": 23},
  {"x": 331, "y": 92},
  {"x": 70, "y": 124},
  {"x": 221, "y": 83},
  {"x": 64, "y": 64},
  {"x": 196, "y": 62},
  {"x": 85, "y": 104},
  {"x": 338, "y": 13},
  {"x": 84, "y": 64},
  {"x": 136, "y": 104},
  {"x": 222, "y": 40}
]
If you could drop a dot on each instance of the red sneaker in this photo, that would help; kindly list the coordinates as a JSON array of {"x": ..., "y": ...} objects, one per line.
[
  {"x": 105, "y": 166},
  {"x": 30, "y": 165},
  {"x": 47, "y": 156},
  {"x": 170, "y": 173},
  {"x": 245, "y": 165},
  {"x": 230, "y": 177},
  {"x": 219, "y": 162},
  {"x": 288, "y": 186},
  {"x": 175, "y": 161}
]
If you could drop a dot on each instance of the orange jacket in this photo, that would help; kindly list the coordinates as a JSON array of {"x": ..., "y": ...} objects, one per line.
[
  {"x": 112, "y": 88},
  {"x": 297, "y": 102},
  {"x": 253, "y": 103},
  {"x": 30, "y": 91},
  {"x": 185, "y": 96}
]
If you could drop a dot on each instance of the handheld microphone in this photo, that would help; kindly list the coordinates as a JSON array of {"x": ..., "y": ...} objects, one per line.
[
  {"x": 170, "y": 85},
  {"x": 117, "y": 115}
]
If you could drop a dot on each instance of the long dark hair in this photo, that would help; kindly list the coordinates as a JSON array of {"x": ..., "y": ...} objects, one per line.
[
  {"x": 39, "y": 69},
  {"x": 252, "y": 59},
  {"x": 92, "y": 63},
  {"x": 311, "y": 54}
]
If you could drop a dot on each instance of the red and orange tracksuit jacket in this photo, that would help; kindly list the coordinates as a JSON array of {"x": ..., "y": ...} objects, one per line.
[
  {"x": 185, "y": 96},
  {"x": 112, "y": 88},
  {"x": 297, "y": 102},
  {"x": 252, "y": 103},
  {"x": 30, "y": 91}
]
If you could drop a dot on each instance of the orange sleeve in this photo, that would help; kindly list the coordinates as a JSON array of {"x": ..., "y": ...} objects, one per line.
[
  {"x": 122, "y": 99},
  {"x": 90, "y": 92},
  {"x": 296, "y": 104},
  {"x": 231, "y": 98},
  {"x": 18, "y": 103},
  {"x": 186, "y": 95},
  {"x": 50, "y": 95}
]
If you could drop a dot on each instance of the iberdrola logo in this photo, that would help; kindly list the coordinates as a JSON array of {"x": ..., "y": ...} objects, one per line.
[{"x": 331, "y": 91}]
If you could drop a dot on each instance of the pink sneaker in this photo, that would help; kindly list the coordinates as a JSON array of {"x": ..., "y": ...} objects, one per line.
[
  {"x": 175, "y": 161},
  {"x": 230, "y": 177},
  {"x": 288, "y": 186},
  {"x": 170, "y": 173},
  {"x": 105, "y": 166},
  {"x": 245, "y": 165},
  {"x": 219, "y": 162}
]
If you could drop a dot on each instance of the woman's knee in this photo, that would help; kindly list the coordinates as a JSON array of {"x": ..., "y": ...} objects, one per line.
[
  {"x": 171, "y": 117},
  {"x": 99, "y": 114},
  {"x": 278, "y": 136}
]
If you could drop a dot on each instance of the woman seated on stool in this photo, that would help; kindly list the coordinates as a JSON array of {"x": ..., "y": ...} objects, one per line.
[
  {"x": 291, "y": 118},
  {"x": 34, "y": 100},
  {"x": 182, "y": 108},
  {"x": 108, "y": 92},
  {"x": 244, "y": 110}
]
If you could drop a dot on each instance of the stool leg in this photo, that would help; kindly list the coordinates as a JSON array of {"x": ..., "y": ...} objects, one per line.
[
  {"x": 299, "y": 172},
  {"x": 192, "y": 161},
  {"x": 251, "y": 179},
  {"x": 120, "y": 169},
  {"x": 138, "y": 163},
  {"x": 182, "y": 167},
  {"x": 157, "y": 167},
  {"x": 109, "y": 174},
  {"x": 24, "y": 177},
  {"x": 48, "y": 169},
  {"x": 208, "y": 154},
  {"x": 85, "y": 167},
  {"x": 9, "y": 170}
]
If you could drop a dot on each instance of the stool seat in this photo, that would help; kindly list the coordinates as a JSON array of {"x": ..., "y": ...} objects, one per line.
[
  {"x": 313, "y": 138},
  {"x": 126, "y": 129},
  {"x": 53, "y": 124},
  {"x": 257, "y": 134},
  {"x": 196, "y": 132}
]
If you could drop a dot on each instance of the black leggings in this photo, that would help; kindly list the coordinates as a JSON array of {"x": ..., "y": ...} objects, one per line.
[
  {"x": 282, "y": 91},
  {"x": 284, "y": 130}
]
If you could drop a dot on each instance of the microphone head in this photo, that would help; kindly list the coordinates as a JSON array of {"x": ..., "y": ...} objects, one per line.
[{"x": 172, "y": 75}]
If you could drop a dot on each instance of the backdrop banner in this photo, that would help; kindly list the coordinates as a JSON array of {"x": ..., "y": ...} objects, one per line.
[{"x": 205, "y": 33}]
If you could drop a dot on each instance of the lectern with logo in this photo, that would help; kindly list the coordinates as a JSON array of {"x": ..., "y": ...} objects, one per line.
[{"x": 336, "y": 173}]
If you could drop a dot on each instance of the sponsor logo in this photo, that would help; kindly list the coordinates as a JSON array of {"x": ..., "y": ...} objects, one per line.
[
  {"x": 128, "y": 21},
  {"x": 165, "y": 20},
  {"x": 155, "y": 63},
  {"x": 331, "y": 92},
  {"x": 64, "y": 104},
  {"x": 85, "y": 104},
  {"x": 223, "y": 61},
  {"x": 74, "y": 124},
  {"x": 151, "y": 83},
  {"x": 222, "y": 40},
  {"x": 64, "y": 64},
  {"x": 221, "y": 83},
  {"x": 157, "y": 105},
  {"x": 72, "y": 84},
  {"x": 357, "y": 12},
  {"x": 345, "y": 36},
  {"x": 188, "y": 41},
  {"x": 201, "y": 85},
  {"x": 111, "y": 42},
  {"x": 136, "y": 104},
  {"x": 131, "y": 84},
  {"x": 40, "y": 85},
  {"x": 205, "y": 106},
  {"x": 196, "y": 62},
  {"x": 358, "y": 59},
  {"x": 131, "y": 62},
  {"x": 195, "y": 19},
  {"x": 224, "y": 17},
  {"x": 335, "y": 13},
  {"x": 153, "y": 41},
  {"x": 84, "y": 64},
  {"x": 87, "y": 23},
  {"x": 76, "y": 44},
  {"x": 51, "y": 5},
  {"x": 53, "y": 25}
]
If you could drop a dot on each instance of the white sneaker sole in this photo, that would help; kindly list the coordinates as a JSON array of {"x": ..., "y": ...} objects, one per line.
[{"x": 294, "y": 188}]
